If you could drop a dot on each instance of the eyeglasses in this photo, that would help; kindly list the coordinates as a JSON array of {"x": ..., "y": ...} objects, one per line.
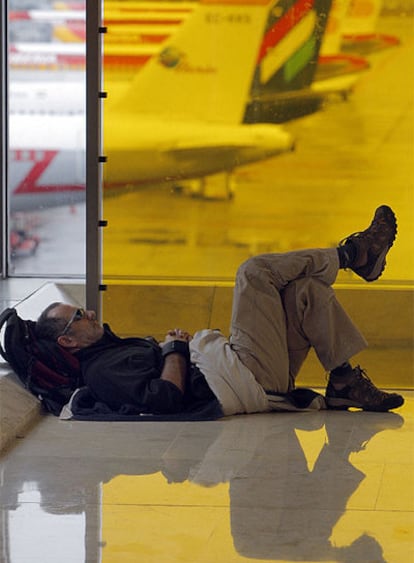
[{"x": 78, "y": 315}]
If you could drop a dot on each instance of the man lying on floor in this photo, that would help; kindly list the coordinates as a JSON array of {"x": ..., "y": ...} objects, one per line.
[{"x": 283, "y": 305}]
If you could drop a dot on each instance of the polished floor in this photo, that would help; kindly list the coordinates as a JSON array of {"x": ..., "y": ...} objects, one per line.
[{"x": 326, "y": 486}]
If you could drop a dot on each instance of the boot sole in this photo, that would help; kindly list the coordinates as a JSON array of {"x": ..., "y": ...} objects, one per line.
[{"x": 344, "y": 404}]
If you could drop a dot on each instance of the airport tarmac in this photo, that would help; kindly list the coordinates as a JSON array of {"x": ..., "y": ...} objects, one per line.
[{"x": 350, "y": 157}]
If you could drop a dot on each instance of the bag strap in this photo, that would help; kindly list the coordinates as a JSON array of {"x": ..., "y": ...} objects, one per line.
[{"x": 4, "y": 317}]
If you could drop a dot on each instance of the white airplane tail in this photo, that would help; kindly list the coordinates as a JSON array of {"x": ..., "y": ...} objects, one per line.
[{"x": 204, "y": 72}]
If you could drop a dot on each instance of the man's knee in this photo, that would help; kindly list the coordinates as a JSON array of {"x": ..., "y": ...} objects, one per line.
[
  {"x": 253, "y": 267},
  {"x": 248, "y": 266}
]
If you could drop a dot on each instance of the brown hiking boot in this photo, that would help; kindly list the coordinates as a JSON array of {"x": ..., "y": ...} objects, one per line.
[
  {"x": 373, "y": 244},
  {"x": 357, "y": 390}
]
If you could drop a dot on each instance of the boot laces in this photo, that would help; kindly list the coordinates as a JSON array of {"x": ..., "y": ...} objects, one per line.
[{"x": 365, "y": 382}]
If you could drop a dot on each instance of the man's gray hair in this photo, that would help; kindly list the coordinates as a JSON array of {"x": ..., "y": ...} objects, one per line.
[{"x": 50, "y": 328}]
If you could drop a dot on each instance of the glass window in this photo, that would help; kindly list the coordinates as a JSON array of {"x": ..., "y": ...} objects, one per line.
[
  {"x": 46, "y": 138},
  {"x": 237, "y": 128}
]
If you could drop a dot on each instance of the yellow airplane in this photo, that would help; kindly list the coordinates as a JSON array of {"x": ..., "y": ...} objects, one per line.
[
  {"x": 182, "y": 114},
  {"x": 181, "y": 117}
]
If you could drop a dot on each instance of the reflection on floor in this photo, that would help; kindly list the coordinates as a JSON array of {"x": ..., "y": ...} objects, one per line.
[{"x": 327, "y": 486}]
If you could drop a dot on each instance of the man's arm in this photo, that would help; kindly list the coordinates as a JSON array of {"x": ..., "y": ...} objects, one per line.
[
  {"x": 176, "y": 362},
  {"x": 175, "y": 370}
]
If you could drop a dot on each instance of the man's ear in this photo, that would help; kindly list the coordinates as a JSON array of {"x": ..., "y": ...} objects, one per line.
[{"x": 65, "y": 341}]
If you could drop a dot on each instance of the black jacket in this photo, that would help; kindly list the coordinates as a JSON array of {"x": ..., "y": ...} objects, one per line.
[{"x": 126, "y": 371}]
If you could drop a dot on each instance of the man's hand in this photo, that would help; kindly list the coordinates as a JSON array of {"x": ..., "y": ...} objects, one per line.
[{"x": 177, "y": 334}]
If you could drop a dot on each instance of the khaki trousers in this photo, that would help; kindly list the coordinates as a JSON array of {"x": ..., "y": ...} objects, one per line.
[{"x": 283, "y": 305}]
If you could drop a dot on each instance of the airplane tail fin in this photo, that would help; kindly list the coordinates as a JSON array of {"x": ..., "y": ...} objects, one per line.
[
  {"x": 288, "y": 56},
  {"x": 332, "y": 39},
  {"x": 361, "y": 18},
  {"x": 205, "y": 70}
]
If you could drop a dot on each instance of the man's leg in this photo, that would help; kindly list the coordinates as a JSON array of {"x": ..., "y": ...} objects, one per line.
[
  {"x": 258, "y": 326},
  {"x": 316, "y": 319}
]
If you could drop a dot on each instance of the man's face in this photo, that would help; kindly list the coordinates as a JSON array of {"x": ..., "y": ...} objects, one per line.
[{"x": 82, "y": 329}]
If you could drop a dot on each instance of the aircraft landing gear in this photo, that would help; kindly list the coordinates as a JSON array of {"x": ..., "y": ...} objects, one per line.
[{"x": 216, "y": 186}]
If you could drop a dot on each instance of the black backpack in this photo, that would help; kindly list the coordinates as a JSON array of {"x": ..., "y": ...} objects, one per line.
[{"x": 47, "y": 370}]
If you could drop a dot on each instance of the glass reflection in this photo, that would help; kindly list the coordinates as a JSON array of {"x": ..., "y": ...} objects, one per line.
[
  {"x": 353, "y": 134},
  {"x": 31, "y": 527}
]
